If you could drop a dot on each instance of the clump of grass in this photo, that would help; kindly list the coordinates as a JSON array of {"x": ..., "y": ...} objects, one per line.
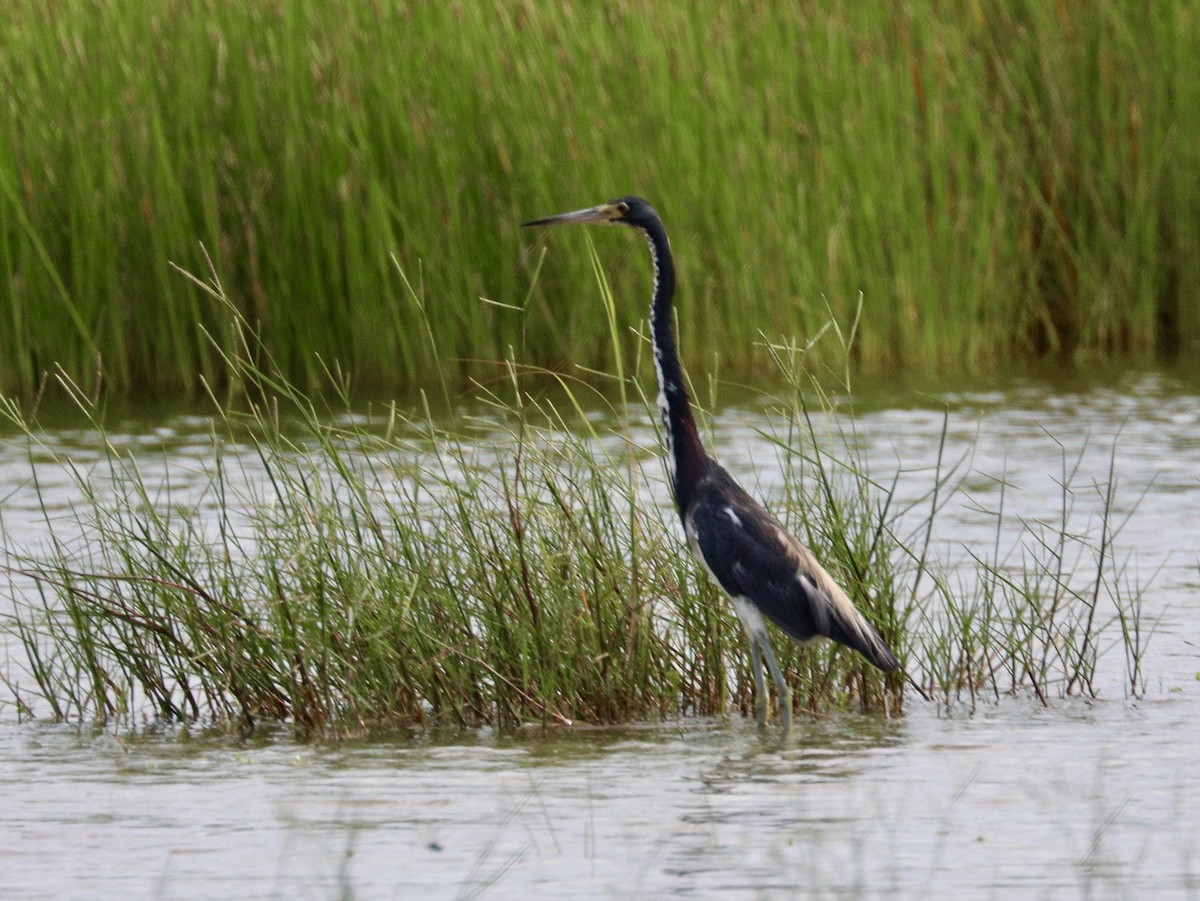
[
  {"x": 353, "y": 575},
  {"x": 1040, "y": 614},
  {"x": 353, "y": 572},
  {"x": 1000, "y": 179}
]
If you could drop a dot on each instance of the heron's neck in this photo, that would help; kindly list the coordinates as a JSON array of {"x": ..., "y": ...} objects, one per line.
[{"x": 685, "y": 454}]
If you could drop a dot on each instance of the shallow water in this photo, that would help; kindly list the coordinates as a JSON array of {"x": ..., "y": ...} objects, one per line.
[{"x": 1082, "y": 799}]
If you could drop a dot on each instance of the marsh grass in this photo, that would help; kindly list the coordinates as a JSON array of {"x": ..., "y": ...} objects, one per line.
[
  {"x": 1041, "y": 613},
  {"x": 344, "y": 571},
  {"x": 999, "y": 179}
]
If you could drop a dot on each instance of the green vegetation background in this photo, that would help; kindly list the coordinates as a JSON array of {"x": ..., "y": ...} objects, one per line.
[{"x": 997, "y": 179}]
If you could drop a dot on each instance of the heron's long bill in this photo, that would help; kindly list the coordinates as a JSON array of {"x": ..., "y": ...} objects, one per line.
[{"x": 606, "y": 212}]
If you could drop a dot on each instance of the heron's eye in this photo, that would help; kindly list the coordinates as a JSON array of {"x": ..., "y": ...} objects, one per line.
[{"x": 623, "y": 207}]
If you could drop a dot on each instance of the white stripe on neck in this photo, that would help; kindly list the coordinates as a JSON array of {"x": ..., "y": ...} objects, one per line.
[{"x": 664, "y": 408}]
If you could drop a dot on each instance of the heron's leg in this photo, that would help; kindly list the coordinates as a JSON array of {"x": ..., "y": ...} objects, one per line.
[
  {"x": 760, "y": 701},
  {"x": 785, "y": 693}
]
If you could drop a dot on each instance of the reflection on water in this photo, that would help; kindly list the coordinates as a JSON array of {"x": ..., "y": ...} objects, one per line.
[{"x": 1091, "y": 799}]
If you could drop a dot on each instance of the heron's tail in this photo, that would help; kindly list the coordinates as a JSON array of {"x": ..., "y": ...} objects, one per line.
[{"x": 855, "y": 632}]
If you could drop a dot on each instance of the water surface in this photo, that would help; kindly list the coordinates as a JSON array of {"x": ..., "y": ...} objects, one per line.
[{"x": 1085, "y": 798}]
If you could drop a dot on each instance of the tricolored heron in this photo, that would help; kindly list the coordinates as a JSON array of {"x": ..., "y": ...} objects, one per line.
[{"x": 747, "y": 551}]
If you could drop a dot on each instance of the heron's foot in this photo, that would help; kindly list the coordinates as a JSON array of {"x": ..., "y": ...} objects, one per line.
[{"x": 760, "y": 712}]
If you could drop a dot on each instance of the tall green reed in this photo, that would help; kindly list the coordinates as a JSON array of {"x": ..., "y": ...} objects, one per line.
[{"x": 997, "y": 179}]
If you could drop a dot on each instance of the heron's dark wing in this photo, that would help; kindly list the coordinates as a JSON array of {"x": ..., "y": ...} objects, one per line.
[{"x": 752, "y": 556}]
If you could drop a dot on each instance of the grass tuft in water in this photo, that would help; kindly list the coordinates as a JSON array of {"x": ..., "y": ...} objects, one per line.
[{"x": 344, "y": 572}]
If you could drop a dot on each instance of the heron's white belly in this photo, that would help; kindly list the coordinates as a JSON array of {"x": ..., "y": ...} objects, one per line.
[
  {"x": 750, "y": 617},
  {"x": 747, "y": 613}
]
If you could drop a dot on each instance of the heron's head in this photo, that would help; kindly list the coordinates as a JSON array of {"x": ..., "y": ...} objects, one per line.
[{"x": 632, "y": 211}]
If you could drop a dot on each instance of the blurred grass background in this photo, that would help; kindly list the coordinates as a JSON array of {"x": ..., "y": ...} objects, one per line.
[{"x": 999, "y": 181}]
